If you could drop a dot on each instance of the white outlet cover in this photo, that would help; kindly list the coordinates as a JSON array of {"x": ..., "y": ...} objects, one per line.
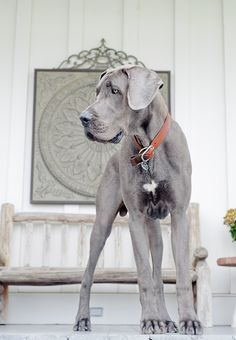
[{"x": 96, "y": 311}]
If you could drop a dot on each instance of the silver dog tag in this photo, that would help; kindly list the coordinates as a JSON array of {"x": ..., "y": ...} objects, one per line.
[{"x": 144, "y": 166}]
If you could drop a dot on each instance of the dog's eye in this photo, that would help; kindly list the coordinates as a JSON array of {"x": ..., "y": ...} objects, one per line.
[{"x": 115, "y": 91}]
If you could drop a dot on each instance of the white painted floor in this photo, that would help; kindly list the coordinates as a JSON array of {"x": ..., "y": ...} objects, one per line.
[{"x": 102, "y": 332}]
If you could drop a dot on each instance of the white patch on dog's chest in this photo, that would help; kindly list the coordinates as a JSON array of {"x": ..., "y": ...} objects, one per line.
[{"x": 150, "y": 187}]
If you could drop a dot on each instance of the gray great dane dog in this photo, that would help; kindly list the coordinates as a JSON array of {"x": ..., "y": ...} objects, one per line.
[{"x": 129, "y": 103}]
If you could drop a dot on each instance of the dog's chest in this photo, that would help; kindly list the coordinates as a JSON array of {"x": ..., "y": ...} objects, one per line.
[
  {"x": 154, "y": 190},
  {"x": 154, "y": 196}
]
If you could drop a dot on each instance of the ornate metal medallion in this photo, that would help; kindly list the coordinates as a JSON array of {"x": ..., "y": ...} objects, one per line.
[
  {"x": 66, "y": 166},
  {"x": 71, "y": 158}
]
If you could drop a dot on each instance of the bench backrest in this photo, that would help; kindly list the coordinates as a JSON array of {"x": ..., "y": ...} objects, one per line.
[{"x": 62, "y": 240}]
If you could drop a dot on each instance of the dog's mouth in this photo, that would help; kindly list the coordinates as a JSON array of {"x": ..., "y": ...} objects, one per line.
[{"x": 114, "y": 140}]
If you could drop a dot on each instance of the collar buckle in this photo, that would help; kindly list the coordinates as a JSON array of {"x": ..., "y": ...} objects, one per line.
[
  {"x": 146, "y": 153},
  {"x": 148, "y": 150}
]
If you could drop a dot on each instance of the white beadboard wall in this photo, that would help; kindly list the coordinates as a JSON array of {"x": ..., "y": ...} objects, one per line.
[{"x": 194, "y": 39}]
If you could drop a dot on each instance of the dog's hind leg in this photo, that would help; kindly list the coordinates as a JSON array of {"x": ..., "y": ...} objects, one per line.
[
  {"x": 189, "y": 323},
  {"x": 156, "y": 248},
  {"x": 108, "y": 202}
]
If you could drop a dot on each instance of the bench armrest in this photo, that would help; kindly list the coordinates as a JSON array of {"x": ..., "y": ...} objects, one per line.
[
  {"x": 203, "y": 295},
  {"x": 200, "y": 254},
  {"x": 2, "y": 258}
]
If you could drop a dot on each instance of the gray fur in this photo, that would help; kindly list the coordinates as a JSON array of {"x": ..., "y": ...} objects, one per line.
[{"x": 129, "y": 102}]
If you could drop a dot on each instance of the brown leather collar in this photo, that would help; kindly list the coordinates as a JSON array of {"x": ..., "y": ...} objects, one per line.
[{"x": 146, "y": 153}]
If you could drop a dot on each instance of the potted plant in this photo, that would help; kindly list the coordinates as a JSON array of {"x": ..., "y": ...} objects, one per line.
[{"x": 230, "y": 221}]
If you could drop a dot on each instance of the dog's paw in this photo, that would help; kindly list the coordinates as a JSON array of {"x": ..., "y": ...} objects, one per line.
[
  {"x": 82, "y": 325},
  {"x": 190, "y": 327},
  {"x": 171, "y": 327},
  {"x": 151, "y": 326}
]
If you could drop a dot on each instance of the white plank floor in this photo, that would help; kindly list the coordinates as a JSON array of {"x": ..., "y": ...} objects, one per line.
[{"x": 102, "y": 332}]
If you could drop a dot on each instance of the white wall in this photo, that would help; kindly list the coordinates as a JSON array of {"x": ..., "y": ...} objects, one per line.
[{"x": 194, "y": 39}]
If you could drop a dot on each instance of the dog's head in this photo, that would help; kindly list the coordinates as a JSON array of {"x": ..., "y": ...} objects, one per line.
[{"x": 120, "y": 90}]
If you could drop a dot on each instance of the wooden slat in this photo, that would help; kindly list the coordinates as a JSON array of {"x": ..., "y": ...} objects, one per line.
[
  {"x": 62, "y": 218},
  {"x": 80, "y": 245},
  {"x": 46, "y": 244},
  {"x": 65, "y": 276},
  {"x": 2, "y": 258},
  {"x": 29, "y": 228},
  {"x": 117, "y": 246},
  {"x": 3, "y": 303},
  {"x": 68, "y": 218},
  {"x": 6, "y": 231},
  {"x": 6, "y": 226},
  {"x": 64, "y": 244}
]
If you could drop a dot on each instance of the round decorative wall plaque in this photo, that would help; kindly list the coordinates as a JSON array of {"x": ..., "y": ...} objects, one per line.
[
  {"x": 66, "y": 166},
  {"x": 72, "y": 159}
]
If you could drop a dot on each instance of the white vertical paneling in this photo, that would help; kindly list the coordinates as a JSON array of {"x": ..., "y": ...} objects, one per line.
[
  {"x": 18, "y": 103},
  {"x": 76, "y": 25},
  {"x": 207, "y": 142},
  {"x": 130, "y": 30},
  {"x": 49, "y": 33},
  {"x": 229, "y": 25},
  {"x": 7, "y": 40},
  {"x": 156, "y": 33},
  {"x": 181, "y": 65},
  {"x": 229, "y": 13},
  {"x": 48, "y": 47},
  {"x": 199, "y": 108},
  {"x": 103, "y": 19}
]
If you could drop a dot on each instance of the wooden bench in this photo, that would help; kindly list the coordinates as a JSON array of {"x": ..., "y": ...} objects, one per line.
[{"x": 45, "y": 249}]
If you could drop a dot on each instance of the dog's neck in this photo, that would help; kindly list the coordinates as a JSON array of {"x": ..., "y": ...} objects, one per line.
[{"x": 150, "y": 120}]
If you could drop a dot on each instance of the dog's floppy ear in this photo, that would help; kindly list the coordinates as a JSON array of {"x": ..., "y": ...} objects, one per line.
[
  {"x": 103, "y": 74},
  {"x": 143, "y": 86}
]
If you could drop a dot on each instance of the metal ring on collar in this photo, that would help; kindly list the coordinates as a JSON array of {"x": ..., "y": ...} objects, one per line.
[{"x": 144, "y": 151}]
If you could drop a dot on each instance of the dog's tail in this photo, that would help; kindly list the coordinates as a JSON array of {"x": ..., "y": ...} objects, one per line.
[{"x": 122, "y": 209}]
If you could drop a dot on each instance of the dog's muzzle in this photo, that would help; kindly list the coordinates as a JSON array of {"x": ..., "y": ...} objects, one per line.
[
  {"x": 114, "y": 140},
  {"x": 85, "y": 119}
]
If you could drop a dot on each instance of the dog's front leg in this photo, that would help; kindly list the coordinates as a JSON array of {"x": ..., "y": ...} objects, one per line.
[
  {"x": 156, "y": 248},
  {"x": 97, "y": 241},
  {"x": 151, "y": 321},
  {"x": 107, "y": 205},
  {"x": 189, "y": 323}
]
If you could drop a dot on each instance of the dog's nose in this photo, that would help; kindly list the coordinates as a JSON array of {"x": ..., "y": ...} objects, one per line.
[{"x": 85, "y": 119}]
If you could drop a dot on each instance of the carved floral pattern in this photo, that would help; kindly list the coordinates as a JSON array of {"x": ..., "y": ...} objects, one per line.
[
  {"x": 66, "y": 166},
  {"x": 71, "y": 158}
]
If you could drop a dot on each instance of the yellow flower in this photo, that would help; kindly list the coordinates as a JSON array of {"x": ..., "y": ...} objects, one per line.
[{"x": 230, "y": 217}]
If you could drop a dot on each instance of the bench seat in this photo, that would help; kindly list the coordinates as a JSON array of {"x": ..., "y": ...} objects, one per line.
[
  {"x": 66, "y": 276},
  {"x": 49, "y": 249}
]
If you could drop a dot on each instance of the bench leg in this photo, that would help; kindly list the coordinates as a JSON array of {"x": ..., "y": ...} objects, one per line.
[
  {"x": 3, "y": 303},
  {"x": 204, "y": 296}
]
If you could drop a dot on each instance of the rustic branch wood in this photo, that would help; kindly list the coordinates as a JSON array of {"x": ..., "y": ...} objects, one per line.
[
  {"x": 47, "y": 276},
  {"x": 67, "y": 276}
]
